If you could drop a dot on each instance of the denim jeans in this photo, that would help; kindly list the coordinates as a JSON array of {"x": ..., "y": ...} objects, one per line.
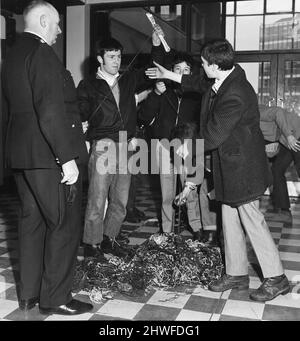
[
  {"x": 168, "y": 180},
  {"x": 112, "y": 184}
]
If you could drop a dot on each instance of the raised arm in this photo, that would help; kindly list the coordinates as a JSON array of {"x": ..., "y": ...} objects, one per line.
[{"x": 195, "y": 83}]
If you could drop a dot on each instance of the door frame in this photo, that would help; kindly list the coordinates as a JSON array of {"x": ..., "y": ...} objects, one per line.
[{"x": 276, "y": 59}]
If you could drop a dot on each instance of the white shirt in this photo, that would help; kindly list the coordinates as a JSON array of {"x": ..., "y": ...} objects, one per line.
[{"x": 110, "y": 79}]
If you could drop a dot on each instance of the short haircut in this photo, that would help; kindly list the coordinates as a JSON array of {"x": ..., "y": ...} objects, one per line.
[
  {"x": 34, "y": 4},
  {"x": 219, "y": 52},
  {"x": 181, "y": 57},
  {"x": 109, "y": 44}
]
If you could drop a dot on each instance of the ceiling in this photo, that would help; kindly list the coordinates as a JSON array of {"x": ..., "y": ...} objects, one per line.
[{"x": 17, "y": 6}]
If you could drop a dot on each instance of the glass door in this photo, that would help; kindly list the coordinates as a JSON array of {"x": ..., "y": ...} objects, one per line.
[
  {"x": 289, "y": 82},
  {"x": 275, "y": 78},
  {"x": 261, "y": 72},
  {"x": 288, "y": 91}
]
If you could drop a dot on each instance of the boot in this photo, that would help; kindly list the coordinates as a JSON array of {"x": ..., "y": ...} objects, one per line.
[
  {"x": 111, "y": 246},
  {"x": 227, "y": 282},
  {"x": 271, "y": 288}
]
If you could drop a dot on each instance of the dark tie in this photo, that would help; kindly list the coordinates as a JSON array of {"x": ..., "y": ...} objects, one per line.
[{"x": 212, "y": 97}]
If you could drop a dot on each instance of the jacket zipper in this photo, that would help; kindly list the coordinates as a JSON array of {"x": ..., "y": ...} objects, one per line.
[{"x": 177, "y": 112}]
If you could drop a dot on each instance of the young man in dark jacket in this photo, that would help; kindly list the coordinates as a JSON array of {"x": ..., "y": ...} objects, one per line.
[
  {"x": 107, "y": 101},
  {"x": 240, "y": 168},
  {"x": 166, "y": 108}
]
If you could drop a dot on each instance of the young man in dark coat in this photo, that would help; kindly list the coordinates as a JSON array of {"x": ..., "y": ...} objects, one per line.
[
  {"x": 166, "y": 108},
  {"x": 240, "y": 169},
  {"x": 44, "y": 145},
  {"x": 107, "y": 101}
]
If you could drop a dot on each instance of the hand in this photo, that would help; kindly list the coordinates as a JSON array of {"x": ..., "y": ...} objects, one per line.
[
  {"x": 70, "y": 172},
  {"x": 157, "y": 72},
  {"x": 293, "y": 143},
  {"x": 181, "y": 198},
  {"x": 85, "y": 126},
  {"x": 160, "y": 88},
  {"x": 272, "y": 147},
  {"x": 155, "y": 35}
]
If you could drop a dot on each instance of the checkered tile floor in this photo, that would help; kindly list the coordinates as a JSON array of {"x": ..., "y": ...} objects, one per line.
[{"x": 188, "y": 304}]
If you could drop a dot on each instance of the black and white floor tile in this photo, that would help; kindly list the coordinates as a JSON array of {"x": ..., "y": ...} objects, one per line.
[{"x": 181, "y": 304}]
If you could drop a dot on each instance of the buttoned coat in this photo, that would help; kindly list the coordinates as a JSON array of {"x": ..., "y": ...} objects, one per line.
[
  {"x": 44, "y": 122},
  {"x": 230, "y": 128}
]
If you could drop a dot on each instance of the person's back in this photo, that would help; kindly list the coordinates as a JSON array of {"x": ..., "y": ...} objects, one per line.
[
  {"x": 33, "y": 118},
  {"x": 44, "y": 146}
]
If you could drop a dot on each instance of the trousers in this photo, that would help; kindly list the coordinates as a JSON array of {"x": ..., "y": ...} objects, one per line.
[
  {"x": 248, "y": 217},
  {"x": 49, "y": 231}
]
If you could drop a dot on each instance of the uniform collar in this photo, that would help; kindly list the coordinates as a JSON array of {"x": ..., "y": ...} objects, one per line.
[{"x": 42, "y": 40}]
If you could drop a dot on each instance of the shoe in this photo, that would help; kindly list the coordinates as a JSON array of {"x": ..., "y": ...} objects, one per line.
[
  {"x": 122, "y": 238},
  {"x": 132, "y": 217},
  {"x": 279, "y": 214},
  {"x": 139, "y": 213},
  {"x": 74, "y": 307},
  {"x": 271, "y": 288},
  {"x": 227, "y": 282},
  {"x": 198, "y": 235},
  {"x": 113, "y": 247},
  {"x": 28, "y": 304},
  {"x": 94, "y": 252},
  {"x": 210, "y": 238}
]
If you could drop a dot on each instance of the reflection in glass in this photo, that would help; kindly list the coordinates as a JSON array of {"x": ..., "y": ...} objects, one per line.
[
  {"x": 131, "y": 27},
  {"x": 279, "y": 32},
  {"x": 248, "y": 32},
  {"x": 291, "y": 100},
  {"x": 279, "y": 6},
  {"x": 250, "y": 7},
  {"x": 258, "y": 74}
]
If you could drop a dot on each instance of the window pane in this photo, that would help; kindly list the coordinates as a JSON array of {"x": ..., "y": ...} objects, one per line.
[
  {"x": 291, "y": 100},
  {"x": 131, "y": 27},
  {"x": 258, "y": 74},
  {"x": 250, "y": 7},
  {"x": 278, "y": 32},
  {"x": 297, "y": 5},
  {"x": 279, "y": 5},
  {"x": 230, "y": 30},
  {"x": 172, "y": 15},
  {"x": 230, "y": 7},
  {"x": 296, "y": 31},
  {"x": 248, "y": 39}
]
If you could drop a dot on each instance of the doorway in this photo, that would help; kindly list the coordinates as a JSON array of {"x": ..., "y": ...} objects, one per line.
[{"x": 275, "y": 78}]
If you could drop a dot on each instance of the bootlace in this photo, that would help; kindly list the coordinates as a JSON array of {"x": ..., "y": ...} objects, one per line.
[{"x": 115, "y": 241}]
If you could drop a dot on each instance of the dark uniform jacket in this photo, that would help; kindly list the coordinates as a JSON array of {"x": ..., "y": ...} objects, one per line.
[
  {"x": 44, "y": 123},
  {"x": 231, "y": 130}
]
